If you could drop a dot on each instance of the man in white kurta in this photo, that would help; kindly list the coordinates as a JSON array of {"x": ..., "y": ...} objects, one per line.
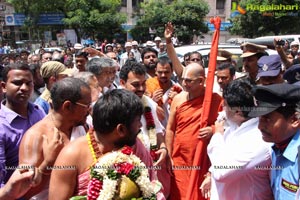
[{"x": 240, "y": 159}]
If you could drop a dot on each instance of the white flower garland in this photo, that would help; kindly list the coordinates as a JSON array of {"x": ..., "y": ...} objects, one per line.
[{"x": 109, "y": 186}]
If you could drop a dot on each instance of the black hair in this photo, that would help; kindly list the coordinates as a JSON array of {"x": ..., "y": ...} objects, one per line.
[
  {"x": 146, "y": 50},
  {"x": 227, "y": 66},
  {"x": 13, "y": 66},
  {"x": 165, "y": 60},
  {"x": 239, "y": 94},
  {"x": 135, "y": 67},
  {"x": 116, "y": 107},
  {"x": 67, "y": 89},
  {"x": 81, "y": 53},
  {"x": 196, "y": 52}
]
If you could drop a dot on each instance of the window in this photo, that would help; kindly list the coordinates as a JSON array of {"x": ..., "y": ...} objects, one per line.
[{"x": 220, "y": 4}]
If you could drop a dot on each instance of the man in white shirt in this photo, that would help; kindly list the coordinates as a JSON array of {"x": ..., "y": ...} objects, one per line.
[{"x": 240, "y": 159}]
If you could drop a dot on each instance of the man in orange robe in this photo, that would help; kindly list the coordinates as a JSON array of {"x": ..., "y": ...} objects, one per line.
[{"x": 183, "y": 129}]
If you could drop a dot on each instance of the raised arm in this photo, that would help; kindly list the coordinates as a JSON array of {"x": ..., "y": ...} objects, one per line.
[
  {"x": 177, "y": 66},
  {"x": 285, "y": 60}
]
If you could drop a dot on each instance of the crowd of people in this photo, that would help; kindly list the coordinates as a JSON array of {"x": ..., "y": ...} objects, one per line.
[{"x": 61, "y": 113}]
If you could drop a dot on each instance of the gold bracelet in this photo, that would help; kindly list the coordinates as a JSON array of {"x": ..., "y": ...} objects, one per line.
[{"x": 44, "y": 173}]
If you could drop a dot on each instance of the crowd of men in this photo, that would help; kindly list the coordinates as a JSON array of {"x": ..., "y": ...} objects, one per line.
[{"x": 56, "y": 112}]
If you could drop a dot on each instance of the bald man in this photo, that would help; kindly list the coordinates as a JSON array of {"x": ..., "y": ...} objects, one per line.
[{"x": 184, "y": 122}]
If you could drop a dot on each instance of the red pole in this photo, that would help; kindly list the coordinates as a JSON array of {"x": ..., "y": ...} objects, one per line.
[{"x": 194, "y": 192}]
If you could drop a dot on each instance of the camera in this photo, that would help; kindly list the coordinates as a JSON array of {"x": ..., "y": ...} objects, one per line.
[{"x": 280, "y": 43}]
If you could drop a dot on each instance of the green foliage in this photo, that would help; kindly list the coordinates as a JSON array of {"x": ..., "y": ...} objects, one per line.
[
  {"x": 87, "y": 17},
  {"x": 100, "y": 17},
  {"x": 134, "y": 174},
  {"x": 78, "y": 198},
  {"x": 112, "y": 174},
  {"x": 256, "y": 23},
  {"x": 186, "y": 15},
  {"x": 95, "y": 174}
]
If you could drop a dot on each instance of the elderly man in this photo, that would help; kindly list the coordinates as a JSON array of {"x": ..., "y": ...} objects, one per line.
[
  {"x": 71, "y": 99},
  {"x": 278, "y": 107},
  {"x": 17, "y": 115},
  {"x": 136, "y": 51},
  {"x": 105, "y": 70},
  {"x": 183, "y": 131},
  {"x": 124, "y": 56}
]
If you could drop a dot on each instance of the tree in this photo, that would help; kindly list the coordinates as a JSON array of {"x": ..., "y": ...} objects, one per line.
[
  {"x": 87, "y": 17},
  {"x": 186, "y": 15},
  {"x": 259, "y": 23},
  {"x": 32, "y": 9},
  {"x": 97, "y": 17}
]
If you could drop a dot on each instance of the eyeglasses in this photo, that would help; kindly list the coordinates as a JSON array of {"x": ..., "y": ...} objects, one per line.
[{"x": 87, "y": 106}]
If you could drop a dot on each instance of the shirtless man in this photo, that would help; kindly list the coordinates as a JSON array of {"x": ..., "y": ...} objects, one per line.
[{"x": 71, "y": 100}]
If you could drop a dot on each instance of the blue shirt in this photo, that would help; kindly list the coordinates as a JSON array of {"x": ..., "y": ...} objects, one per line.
[
  {"x": 285, "y": 179},
  {"x": 12, "y": 128},
  {"x": 43, "y": 104},
  {"x": 43, "y": 100}
]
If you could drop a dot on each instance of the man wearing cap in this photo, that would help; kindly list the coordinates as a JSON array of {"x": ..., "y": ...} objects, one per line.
[
  {"x": 251, "y": 54},
  {"x": 51, "y": 72},
  {"x": 224, "y": 56},
  {"x": 124, "y": 56},
  {"x": 136, "y": 52},
  {"x": 108, "y": 48},
  {"x": 292, "y": 75},
  {"x": 278, "y": 107},
  {"x": 157, "y": 41},
  {"x": 269, "y": 70},
  {"x": 294, "y": 48},
  {"x": 78, "y": 46}
]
